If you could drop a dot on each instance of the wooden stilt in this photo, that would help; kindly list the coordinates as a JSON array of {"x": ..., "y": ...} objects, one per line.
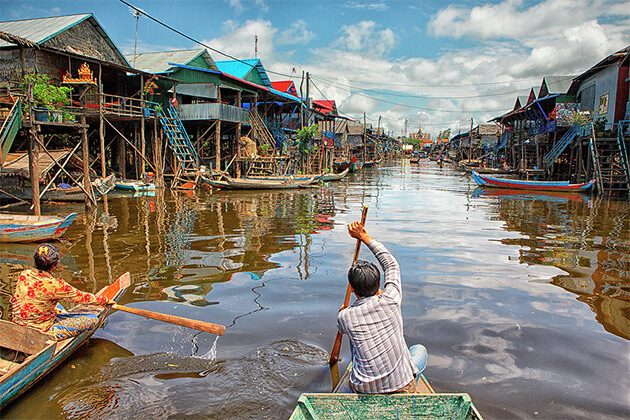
[
  {"x": 142, "y": 128},
  {"x": 238, "y": 137},
  {"x": 217, "y": 138},
  {"x": 101, "y": 125},
  {"x": 87, "y": 184},
  {"x": 122, "y": 157},
  {"x": 157, "y": 155},
  {"x": 33, "y": 160}
]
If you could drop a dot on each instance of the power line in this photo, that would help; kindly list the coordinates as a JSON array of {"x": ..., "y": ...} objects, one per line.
[
  {"x": 410, "y": 95},
  {"x": 177, "y": 31}
]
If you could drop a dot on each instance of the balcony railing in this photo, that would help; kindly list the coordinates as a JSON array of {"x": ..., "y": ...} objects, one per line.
[{"x": 213, "y": 111}]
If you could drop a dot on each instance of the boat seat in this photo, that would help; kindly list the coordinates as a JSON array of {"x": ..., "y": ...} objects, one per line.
[{"x": 22, "y": 339}]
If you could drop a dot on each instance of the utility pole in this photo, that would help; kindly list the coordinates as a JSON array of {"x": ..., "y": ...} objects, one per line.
[
  {"x": 302, "y": 96},
  {"x": 135, "y": 43},
  {"x": 470, "y": 140},
  {"x": 405, "y": 128},
  {"x": 308, "y": 99}
]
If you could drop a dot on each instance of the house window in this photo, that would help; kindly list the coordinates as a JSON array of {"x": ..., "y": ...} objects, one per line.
[{"x": 587, "y": 97}]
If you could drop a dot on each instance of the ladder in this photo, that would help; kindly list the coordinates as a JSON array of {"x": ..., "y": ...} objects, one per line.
[
  {"x": 610, "y": 160},
  {"x": 186, "y": 157},
  {"x": 260, "y": 132},
  {"x": 561, "y": 145},
  {"x": 9, "y": 128}
]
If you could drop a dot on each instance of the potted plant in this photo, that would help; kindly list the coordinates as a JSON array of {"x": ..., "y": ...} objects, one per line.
[
  {"x": 305, "y": 138},
  {"x": 48, "y": 97},
  {"x": 600, "y": 126}
]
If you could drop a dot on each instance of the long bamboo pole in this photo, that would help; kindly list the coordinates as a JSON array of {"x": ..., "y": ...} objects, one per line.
[{"x": 334, "y": 354}]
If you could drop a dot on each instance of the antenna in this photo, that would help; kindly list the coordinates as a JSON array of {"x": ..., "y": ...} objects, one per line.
[
  {"x": 136, "y": 14},
  {"x": 255, "y": 46}
]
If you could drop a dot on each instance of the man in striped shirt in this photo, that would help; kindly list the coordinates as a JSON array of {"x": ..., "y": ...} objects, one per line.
[{"x": 381, "y": 361}]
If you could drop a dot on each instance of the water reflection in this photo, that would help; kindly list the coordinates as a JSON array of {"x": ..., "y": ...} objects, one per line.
[{"x": 589, "y": 240}]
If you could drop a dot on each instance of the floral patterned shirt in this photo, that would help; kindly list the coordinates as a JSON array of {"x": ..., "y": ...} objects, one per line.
[{"x": 36, "y": 295}]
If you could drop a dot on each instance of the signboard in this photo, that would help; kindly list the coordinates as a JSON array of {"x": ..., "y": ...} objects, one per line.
[{"x": 603, "y": 104}]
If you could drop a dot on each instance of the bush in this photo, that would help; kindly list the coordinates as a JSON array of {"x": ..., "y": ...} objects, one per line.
[{"x": 45, "y": 93}]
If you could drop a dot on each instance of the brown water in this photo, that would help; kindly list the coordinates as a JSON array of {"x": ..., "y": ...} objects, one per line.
[{"x": 523, "y": 301}]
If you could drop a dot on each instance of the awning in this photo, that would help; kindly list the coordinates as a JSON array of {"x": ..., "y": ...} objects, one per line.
[{"x": 199, "y": 90}]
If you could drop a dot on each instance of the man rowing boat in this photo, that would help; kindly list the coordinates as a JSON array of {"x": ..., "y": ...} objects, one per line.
[
  {"x": 35, "y": 302},
  {"x": 381, "y": 361}
]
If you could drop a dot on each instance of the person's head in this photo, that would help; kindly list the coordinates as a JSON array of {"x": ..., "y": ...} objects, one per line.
[
  {"x": 364, "y": 278},
  {"x": 46, "y": 257}
]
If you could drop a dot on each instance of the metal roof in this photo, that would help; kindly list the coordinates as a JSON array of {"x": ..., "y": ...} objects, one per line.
[
  {"x": 286, "y": 86},
  {"x": 241, "y": 68},
  {"x": 557, "y": 84},
  {"x": 161, "y": 62},
  {"x": 40, "y": 30}
]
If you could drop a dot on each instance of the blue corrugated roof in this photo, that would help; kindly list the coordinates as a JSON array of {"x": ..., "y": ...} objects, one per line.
[{"x": 241, "y": 68}]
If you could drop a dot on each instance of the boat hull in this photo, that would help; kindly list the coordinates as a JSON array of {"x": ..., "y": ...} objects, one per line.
[
  {"x": 559, "y": 186},
  {"x": 334, "y": 177},
  {"x": 19, "y": 379},
  {"x": 250, "y": 184},
  {"x": 135, "y": 186},
  {"x": 45, "y": 229}
]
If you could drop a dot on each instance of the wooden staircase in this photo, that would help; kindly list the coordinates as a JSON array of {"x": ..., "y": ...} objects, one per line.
[
  {"x": 260, "y": 133},
  {"x": 10, "y": 123},
  {"x": 610, "y": 163}
]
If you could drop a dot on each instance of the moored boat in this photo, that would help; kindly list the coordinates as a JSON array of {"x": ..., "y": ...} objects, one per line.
[
  {"x": 28, "y": 354},
  {"x": 425, "y": 403},
  {"x": 334, "y": 177},
  {"x": 299, "y": 178},
  {"x": 134, "y": 185},
  {"x": 487, "y": 181},
  {"x": 23, "y": 228},
  {"x": 228, "y": 183}
]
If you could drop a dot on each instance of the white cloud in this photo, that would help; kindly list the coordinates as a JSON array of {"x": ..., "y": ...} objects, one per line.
[
  {"x": 262, "y": 5},
  {"x": 297, "y": 33},
  {"x": 515, "y": 45},
  {"x": 376, "y": 6},
  {"x": 365, "y": 36},
  {"x": 238, "y": 40},
  {"x": 237, "y": 5}
]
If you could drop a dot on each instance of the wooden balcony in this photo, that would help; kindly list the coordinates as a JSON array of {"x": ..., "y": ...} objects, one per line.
[{"x": 213, "y": 111}]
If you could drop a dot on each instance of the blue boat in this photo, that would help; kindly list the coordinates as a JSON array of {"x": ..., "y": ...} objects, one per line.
[
  {"x": 517, "y": 184},
  {"x": 127, "y": 185},
  {"x": 27, "y": 354},
  {"x": 23, "y": 228}
]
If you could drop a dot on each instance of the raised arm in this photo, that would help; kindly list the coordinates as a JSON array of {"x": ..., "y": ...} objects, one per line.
[
  {"x": 63, "y": 290},
  {"x": 392, "y": 286}
]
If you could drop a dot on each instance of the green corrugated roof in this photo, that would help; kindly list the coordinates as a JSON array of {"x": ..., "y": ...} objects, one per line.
[
  {"x": 40, "y": 30},
  {"x": 158, "y": 62}
]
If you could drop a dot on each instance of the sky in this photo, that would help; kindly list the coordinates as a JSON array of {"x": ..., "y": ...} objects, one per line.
[{"x": 436, "y": 64}]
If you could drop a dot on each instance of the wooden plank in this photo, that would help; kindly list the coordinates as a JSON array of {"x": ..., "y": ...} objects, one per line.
[{"x": 23, "y": 339}]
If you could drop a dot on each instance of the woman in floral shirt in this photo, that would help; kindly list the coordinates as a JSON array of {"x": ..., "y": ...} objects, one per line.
[{"x": 36, "y": 297}]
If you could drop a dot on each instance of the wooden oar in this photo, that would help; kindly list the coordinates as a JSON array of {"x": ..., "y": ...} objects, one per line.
[
  {"x": 172, "y": 319},
  {"x": 334, "y": 354}
]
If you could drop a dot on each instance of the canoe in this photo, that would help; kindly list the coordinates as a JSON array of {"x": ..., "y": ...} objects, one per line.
[
  {"x": 524, "y": 195},
  {"x": 354, "y": 165},
  {"x": 22, "y": 228},
  {"x": 299, "y": 178},
  {"x": 228, "y": 183},
  {"x": 487, "y": 181},
  {"x": 369, "y": 163},
  {"x": 134, "y": 185},
  {"x": 27, "y": 354},
  {"x": 334, "y": 177},
  {"x": 74, "y": 194},
  {"x": 343, "y": 404}
]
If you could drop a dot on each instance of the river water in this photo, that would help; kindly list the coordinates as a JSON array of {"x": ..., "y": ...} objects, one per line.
[{"x": 523, "y": 301}]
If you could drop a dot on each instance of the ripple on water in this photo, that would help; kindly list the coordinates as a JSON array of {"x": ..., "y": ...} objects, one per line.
[{"x": 260, "y": 384}]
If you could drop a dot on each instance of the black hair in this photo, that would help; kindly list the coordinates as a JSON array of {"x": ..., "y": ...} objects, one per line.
[
  {"x": 46, "y": 257},
  {"x": 364, "y": 278}
]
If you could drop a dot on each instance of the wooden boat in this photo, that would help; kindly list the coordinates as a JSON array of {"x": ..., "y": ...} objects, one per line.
[
  {"x": 299, "y": 178},
  {"x": 487, "y": 181},
  {"x": 354, "y": 165},
  {"x": 134, "y": 185},
  {"x": 228, "y": 183},
  {"x": 334, "y": 177},
  {"x": 22, "y": 228},
  {"x": 425, "y": 404},
  {"x": 414, "y": 160},
  {"x": 27, "y": 354},
  {"x": 73, "y": 194},
  {"x": 524, "y": 195}
]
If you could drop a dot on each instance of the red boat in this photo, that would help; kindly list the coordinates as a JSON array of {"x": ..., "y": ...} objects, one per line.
[{"x": 517, "y": 184}]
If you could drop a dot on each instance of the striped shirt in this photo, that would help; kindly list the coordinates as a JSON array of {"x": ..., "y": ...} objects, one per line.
[{"x": 381, "y": 361}]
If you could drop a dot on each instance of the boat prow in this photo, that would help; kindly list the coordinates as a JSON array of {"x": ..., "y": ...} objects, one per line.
[
  {"x": 22, "y": 228},
  {"x": 425, "y": 404},
  {"x": 29, "y": 354}
]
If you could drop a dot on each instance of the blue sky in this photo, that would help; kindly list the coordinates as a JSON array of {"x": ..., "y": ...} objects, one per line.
[{"x": 433, "y": 62}]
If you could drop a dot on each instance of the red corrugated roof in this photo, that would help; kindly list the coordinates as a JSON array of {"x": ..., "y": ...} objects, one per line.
[
  {"x": 325, "y": 107},
  {"x": 286, "y": 86}
]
